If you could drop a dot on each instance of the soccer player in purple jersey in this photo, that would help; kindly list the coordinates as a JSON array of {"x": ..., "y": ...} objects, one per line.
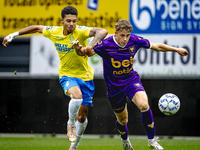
[{"x": 117, "y": 53}]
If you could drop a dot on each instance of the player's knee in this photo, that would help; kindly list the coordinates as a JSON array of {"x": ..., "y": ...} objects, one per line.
[
  {"x": 123, "y": 121},
  {"x": 144, "y": 106},
  {"x": 77, "y": 96}
]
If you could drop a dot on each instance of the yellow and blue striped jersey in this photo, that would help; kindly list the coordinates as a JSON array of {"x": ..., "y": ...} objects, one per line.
[{"x": 71, "y": 64}]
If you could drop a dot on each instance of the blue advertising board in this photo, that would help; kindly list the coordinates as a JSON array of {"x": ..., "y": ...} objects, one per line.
[{"x": 165, "y": 16}]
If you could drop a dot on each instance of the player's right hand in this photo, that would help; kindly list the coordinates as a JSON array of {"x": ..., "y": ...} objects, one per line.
[
  {"x": 7, "y": 40},
  {"x": 89, "y": 51}
]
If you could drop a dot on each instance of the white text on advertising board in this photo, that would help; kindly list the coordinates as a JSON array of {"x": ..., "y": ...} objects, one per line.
[{"x": 165, "y": 16}]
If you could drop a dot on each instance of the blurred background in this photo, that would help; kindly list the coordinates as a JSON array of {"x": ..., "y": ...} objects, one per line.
[{"x": 33, "y": 101}]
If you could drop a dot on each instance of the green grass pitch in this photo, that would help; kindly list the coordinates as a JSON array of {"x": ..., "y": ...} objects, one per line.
[{"x": 52, "y": 143}]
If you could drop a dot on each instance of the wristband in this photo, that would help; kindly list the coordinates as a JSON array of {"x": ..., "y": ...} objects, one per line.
[
  {"x": 10, "y": 36},
  {"x": 14, "y": 34}
]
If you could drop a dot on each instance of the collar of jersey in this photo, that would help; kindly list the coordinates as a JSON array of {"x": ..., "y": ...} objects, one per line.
[{"x": 117, "y": 43}]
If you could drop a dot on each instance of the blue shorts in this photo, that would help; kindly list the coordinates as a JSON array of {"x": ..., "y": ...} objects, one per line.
[
  {"x": 118, "y": 95},
  {"x": 86, "y": 87}
]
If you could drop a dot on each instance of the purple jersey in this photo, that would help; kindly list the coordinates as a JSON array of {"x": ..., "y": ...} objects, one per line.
[{"x": 118, "y": 61}]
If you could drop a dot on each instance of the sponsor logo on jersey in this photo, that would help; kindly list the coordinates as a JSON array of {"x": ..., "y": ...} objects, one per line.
[
  {"x": 63, "y": 47},
  {"x": 50, "y": 28},
  {"x": 126, "y": 64}
]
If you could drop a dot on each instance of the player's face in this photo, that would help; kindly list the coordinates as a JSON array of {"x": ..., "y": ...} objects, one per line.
[
  {"x": 122, "y": 37},
  {"x": 69, "y": 23}
]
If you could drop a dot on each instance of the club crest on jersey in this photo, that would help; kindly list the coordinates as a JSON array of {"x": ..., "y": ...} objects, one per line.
[
  {"x": 67, "y": 84},
  {"x": 71, "y": 38},
  {"x": 132, "y": 50}
]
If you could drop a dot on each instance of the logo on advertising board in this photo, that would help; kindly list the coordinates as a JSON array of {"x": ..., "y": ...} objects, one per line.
[
  {"x": 165, "y": 16},
  {"x": 93, "y": 4}
]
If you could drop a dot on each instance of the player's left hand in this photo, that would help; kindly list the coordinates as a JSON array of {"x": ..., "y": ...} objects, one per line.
[
  {"x": 182, "y": 52},
  {"x": 7, "y": 40},
  {"x": 76, "y": 45}
]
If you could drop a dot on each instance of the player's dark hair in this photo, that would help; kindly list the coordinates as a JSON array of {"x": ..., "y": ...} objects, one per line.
[
  {"x": 123, "y": 24},
  {"x": 69, "y": 10}
]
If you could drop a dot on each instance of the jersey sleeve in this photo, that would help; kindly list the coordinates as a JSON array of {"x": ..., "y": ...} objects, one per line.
[
  {"x": 142, "y": 42},
  {"x": 84, "y": 31},
  {"x": 99, "y": 48},
  {"x": 47, "y": 31}
]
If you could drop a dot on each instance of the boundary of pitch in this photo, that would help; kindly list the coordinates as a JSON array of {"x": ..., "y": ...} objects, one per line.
[{"x": 40, "y": 135}]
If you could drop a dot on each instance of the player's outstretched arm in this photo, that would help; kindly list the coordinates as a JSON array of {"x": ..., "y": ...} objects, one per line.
[
  {"x": 164, "y": 48},
  {"x": 27, "y": 30}
]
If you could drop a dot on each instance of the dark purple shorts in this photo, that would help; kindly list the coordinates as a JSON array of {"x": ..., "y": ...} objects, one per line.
[{"x": 117, "y": 95}]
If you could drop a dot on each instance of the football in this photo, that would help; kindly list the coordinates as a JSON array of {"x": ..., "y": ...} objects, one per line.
[{"x": 169, "y": 104}]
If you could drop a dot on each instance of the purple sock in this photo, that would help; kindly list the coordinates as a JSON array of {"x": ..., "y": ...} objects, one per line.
[
  {"x": 123, "y": 130},
  {"x": 147, "y": 120}
]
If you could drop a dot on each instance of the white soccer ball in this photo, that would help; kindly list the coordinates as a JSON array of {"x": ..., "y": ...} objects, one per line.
[{"x": 169, "y": 104}]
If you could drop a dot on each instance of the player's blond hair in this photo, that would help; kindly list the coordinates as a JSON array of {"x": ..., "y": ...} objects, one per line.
[{"x": 123, "y": 24}]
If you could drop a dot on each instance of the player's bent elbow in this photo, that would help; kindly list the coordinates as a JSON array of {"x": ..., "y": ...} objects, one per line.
[{"x": 105, "y": 32}]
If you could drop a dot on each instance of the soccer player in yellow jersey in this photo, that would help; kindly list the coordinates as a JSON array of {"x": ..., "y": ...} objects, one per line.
[{"x": 75, "y": 73}]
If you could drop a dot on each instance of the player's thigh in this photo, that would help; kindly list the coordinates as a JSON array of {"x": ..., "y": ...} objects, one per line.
[
  {"x": 141, "y": 100},
  {"x": 71, "y": 87},
  {"x": 122, "y": 117}
]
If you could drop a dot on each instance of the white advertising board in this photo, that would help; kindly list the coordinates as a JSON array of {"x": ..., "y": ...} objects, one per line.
[
  {"x": 150, "y": 62},
  {"x": 44, "y": 58}
]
